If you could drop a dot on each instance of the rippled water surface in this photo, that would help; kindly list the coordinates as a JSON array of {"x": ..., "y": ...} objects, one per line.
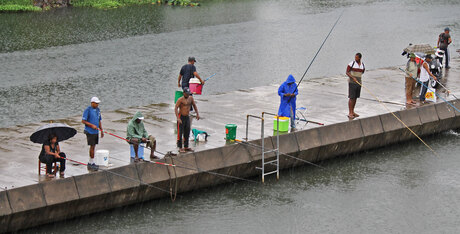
[{"x": 51, "y": 63}]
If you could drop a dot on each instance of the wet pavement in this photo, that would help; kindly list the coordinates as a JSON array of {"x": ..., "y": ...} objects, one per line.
[{"x": 325, "y": 100}]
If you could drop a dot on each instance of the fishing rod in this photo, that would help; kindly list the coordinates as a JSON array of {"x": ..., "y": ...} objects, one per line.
[
  {"x": 309, "y": 121},
  {"x": 394, "y": 115},
  {"x": 317, "y": 52},
  {"x": 448, "y": 91},
  {"x": 117, "y": 174},
  {"x": 260, "y": 147},
  {"x": 431, "y": 89},
  {"x": 173, "y": 165},
  {"x": 210, "y": 77}
]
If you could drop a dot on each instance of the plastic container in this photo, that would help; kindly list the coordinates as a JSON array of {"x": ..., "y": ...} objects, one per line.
[
  {"x": 178, "y": 95},
  {"x": 102, "y": 157},
  {"x": 284, "y": 124},
  {"x": 140, "y": 151},
  {"x": 230, "y": 131},
  {"x": 195, "y": 86}
]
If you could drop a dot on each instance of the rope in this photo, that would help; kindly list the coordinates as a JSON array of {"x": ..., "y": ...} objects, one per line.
[
  {"x": 394, "y": 115},
  {"x": 173, "y": 197}
]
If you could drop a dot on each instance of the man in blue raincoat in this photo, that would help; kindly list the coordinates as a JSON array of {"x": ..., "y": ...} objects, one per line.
[{"x": 288, "y": 92}]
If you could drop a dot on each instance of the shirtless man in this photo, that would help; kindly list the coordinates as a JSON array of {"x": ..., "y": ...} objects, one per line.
[{"x": 182, "y": 111}]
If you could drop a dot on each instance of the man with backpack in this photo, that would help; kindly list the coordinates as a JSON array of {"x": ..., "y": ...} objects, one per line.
[
  {"x": 444, "y": 40},
  {"x": 355, "y": 71}
]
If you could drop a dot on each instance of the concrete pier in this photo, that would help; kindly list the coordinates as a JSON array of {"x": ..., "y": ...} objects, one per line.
[{"x": 25, "y": 203}]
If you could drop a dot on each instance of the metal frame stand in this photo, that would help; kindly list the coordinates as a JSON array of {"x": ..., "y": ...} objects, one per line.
[{"x": 273, "y": 162}]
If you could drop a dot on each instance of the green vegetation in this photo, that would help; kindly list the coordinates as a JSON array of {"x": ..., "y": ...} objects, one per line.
[
  {"x": 105, "y": 4},
  {"x": 27, "y": 5},
  {"x": 17, "y": 6}
]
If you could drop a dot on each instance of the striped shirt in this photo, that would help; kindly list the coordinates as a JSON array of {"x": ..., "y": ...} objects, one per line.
[{"x": 356, "y": 70}]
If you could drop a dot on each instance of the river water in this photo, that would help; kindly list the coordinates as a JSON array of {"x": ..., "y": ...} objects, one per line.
[{"x": 53, "y": 62}]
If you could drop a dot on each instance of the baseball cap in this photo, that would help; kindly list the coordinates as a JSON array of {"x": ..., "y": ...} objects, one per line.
[
  {"x": 191, "y": 59},
  {"x": 187, "y": 90},
  {"x": 141, "y": 118},
  {"x": 447, "y": 29},
  {"x": 95, "y": 100},
  {"x": 412, "y": 55}
]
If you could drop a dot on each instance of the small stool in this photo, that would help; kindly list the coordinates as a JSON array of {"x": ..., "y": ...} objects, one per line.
[{"x": 40, "y": 168}]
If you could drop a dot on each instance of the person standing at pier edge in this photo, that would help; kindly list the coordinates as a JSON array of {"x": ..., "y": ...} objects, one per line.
[
  {"x": 444, "y": 40},
  {"x": 187, "y": 72},
  {"x": 182, "y": 111},
  {"x": 92, "y": 120},
  {"x": 288, "y": 92},
  {"x": 355, "y": 71},
  {"x": 137, "y": 134},
  {"x": 411, "y": 70},
  {"x": 425, "y": 77}
]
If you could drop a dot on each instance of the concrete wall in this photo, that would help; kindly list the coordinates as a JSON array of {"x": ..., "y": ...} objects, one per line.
[{"x": 61, "y": 199}]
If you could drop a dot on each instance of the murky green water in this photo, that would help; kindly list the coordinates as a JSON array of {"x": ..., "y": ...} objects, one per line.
[{"x": 131, "y": 56}]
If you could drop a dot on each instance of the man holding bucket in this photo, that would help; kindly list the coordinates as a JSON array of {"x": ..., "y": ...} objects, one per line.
[
  {"x": 288, "y": 92},
  {"x": 187, "y": 72}
]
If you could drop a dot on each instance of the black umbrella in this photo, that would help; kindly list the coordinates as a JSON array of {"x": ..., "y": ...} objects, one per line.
[{"x": 62, "y": 131}]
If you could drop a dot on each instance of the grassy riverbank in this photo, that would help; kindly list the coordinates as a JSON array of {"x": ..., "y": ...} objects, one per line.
[
  {"x": 17, "y": 6},
  {"x": 27, "y": 5},
  {"x": 119, "y": 3}
]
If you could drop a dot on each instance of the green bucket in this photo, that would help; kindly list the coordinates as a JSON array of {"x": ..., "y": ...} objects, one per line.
[
  {"x": 178, "y": 95},
  {"x": 230, "y": 131},
  {"x": 283, "y": 123}
]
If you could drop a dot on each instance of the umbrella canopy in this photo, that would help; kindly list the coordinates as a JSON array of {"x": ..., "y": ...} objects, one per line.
[
  {"x": 62, "y": 131},
  {"x": 422, "y": 48}
]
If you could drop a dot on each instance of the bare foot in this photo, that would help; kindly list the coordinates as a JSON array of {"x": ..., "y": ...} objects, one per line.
[
  {"x": 189, "y": 149},
  {"x": 50, "y": 175},
  {"x": 356, "y": 115},
  {"x": 182, "y": 150},
  {"x": 351, "y": 116}
]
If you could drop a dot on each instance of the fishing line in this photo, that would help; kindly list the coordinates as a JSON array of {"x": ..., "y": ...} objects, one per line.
[
  {"x": 188, "y": 168},
  {"x": 448, "y": 91},
  {"x": 431, "y": 90},
  {"x": 391, "y": 112},
  {"x": 317, "y": 52},
  {"x": 114, "y": 173},
  {"x": 260, "y": 147}
]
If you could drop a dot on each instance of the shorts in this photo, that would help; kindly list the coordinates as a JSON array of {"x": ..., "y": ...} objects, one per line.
[
  {"x": 93, "y": 139},
  {"x": 354, "y": 90}
]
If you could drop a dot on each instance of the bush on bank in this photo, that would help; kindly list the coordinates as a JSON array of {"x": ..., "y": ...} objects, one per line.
[{"x": 27, "y": 5}]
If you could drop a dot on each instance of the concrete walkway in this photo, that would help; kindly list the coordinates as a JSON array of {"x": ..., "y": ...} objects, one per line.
[{"x": 325, "y": 99}]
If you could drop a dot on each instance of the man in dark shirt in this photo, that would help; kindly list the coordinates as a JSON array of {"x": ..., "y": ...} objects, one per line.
[
  {"x": 443, "y": 42},
  {"x": 187, "y": 72}
]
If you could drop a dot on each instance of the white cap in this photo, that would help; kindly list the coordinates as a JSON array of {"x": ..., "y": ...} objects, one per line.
[
  {"x": 141, "y": 118},
  {"x": 95, "y": 99}
]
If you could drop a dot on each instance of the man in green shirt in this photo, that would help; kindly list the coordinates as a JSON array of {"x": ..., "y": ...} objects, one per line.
[{"x": 137, "y": 134}]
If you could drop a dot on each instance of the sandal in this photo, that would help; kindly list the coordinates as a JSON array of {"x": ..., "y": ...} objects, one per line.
[
  {"x": 351, "y": 116},
  {"x": 188, "y": 149},
  {"x": 182, "y": 151},
  {"x": 355, "y": 115},
  {"x": 61, "y": 174},
  {"x": 49, "y": 175}
]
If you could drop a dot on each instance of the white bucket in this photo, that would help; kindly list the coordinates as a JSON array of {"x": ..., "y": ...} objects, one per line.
[{"x": 102, "y": 157}]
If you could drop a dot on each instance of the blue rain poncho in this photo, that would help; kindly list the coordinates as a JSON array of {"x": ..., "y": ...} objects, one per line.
[{"x": 289, "y": 86}]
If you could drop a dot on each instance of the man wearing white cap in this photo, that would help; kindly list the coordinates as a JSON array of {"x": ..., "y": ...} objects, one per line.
[
  {"x": 92, "y": 120},
  {"x": 136, "y": 134}
]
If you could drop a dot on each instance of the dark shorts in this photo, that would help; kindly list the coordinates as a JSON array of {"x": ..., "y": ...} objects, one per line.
[
  {"x": 93, "y": 139},
  {"x": 354, "y": 90}
]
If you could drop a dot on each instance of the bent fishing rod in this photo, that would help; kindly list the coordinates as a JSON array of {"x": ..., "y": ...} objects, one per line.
[
  {"x": 317, "y": 52},
  {"x": 439, "y": 96},
  {"x": 394, "y": 115},
  {"x": 177, "y": 166}
]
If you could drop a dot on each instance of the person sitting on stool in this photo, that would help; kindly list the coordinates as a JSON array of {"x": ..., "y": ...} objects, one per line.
[
  {"x": 52, "y": 153},
  {"x": 137, "y": 134}
]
